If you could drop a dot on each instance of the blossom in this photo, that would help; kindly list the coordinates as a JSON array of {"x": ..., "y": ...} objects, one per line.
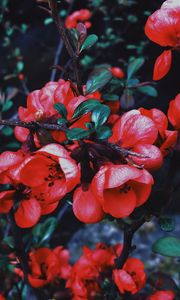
[
  {"x": 131, "y": 278},
  {"x": 174, "y": 112},
  {"x": 137, "y": 131},
  {"x": 121, "y": 188},
  {"x": 163, "y": 28},
  {"x": 82, "y": 15},
  {"x": 162, "y": 295}
]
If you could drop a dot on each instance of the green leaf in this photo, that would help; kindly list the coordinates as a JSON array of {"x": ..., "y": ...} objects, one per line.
[
  {"x": 134, "y": 66},
  {"x": 7, "y": 131},
  {"x": 148, "y": 90},
  {"x": 9, "y": 240},
  {"x": 100, "y": 115},
  {"x": 110, "y": 97},
  {"x": 103, "y": 132},
  {"x": 89, "y": 42},
  {"x": 47, "y": 21},
  {"x": 45, "y": 230},
  {"x": 77, "y": 134},
  {"x": 167, "y": 246},
  {"x": 7, "y": 105},
  {"x": 60, "y": 108},
  {"x": 61, "y": 121},
  {"x": 20, "y": 66},
  {"x": 98, "y": 79},
  {"x": 167, "y": 224},
  {"x": 85, "y": 107}
]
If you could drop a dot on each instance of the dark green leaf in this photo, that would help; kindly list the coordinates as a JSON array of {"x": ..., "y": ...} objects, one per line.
[
  {"x": 20, "y": 66},
  {"x": 61, "y": 121},
  {"x": 85, "y": 107},
  {"x": 103, "y": 132},
  {"x": 7, "y": 105},
  {"x": 110, "y": 97},
  {"x": 77, "y": 134},
  {"x": 100, "y": 115},
  {"x": 167, "y": 246},
  {"x": 148, "y": 90},
  {"x": 89, "y": 42},
  {"x": 7, "y": 131},
  {"x": 45, "y": 230},
  {"x": 134, "y": 66},
  {"x": 60, "y": 108},
  {"x": 97, "y": 80},
  {"x": 9, "y": 240},
  {"x": 167, "y": 224}
]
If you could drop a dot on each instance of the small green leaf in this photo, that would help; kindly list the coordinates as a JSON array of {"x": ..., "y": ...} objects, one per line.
[
  {"x": 7, "y": 131},
  {"x": 98, "y": 79},
  {"x": 77, "y": 134},
  {"x": 47, "y": 21},
  {"x": 89, "y": 42},
  {"x": 103, "y": 132},
  {"x": 134, "y": 66},
  {"x": 148, "y": 90},
  {"x": 100, "y": 115},
  {"x": 167, "y": 246},
  {"x": 167, "y": 224},
  {"x": 85, "y": 107},
  {"x": 61, "y": 121},
  {"x": 110, "y": 97},
  {"x": 7, "y": 105},
  {"x": 60, "y": 108},
  {"x": 43, "y": 231},
  {"x": 20, "y": 66}
]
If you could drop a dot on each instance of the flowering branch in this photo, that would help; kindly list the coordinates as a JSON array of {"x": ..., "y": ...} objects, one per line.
[
  {"x": 129, "y": 231},
  {"x": 62, "y": 30}
]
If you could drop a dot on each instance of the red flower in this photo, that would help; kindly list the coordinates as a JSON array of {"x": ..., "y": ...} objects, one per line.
[
  {"x": 163, "y": 28},
  {"x": 121, "y": 188},
  {"x": 2, "y": 297},
  {"x": 166, "y": 138},
  {"x": 174, "y": 112},
  {"x": 162, "y": 65},
  {"x": 162, "y": 295},
  {"x": 82, "y": 15},
  {"x": 117, "y": 72},
  {"x": 131, "y": 278},
  {"x": 86, "y": 207},
  {"x": 133, "y": 128}
]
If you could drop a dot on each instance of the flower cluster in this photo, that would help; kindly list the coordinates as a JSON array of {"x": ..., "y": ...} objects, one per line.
[
  {"x": 163, "y": 28},
  {"x": 82, "y": 15}
]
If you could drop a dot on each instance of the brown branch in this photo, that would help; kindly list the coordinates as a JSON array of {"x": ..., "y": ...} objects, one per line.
[
  {"x": 129, "y": 231},
  {"x": 62, "y": 31},
  {"x": 33, "y": 125}
]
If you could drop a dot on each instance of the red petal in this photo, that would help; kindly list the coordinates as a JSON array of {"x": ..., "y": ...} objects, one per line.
[
  {"x": 174, "y": 112},
  {"x": 142, "y": 192},
  {"x": 119, "y": 204},
  {"x": 35, "y": 171},
  {"x": 163, "y": 27},
  {"x": 154, "y": 158},
  {"x": 6, "y": 201},
  {"x": 162, "y": 65},
  {"x": 36, "y": 282},
  {"x": 86, "y": 207},
  {"x": 46, "y": 209},
  {"x": 169, "y": 142},
  {"x": 124, "y": 281},
  {"x": 157, "y": 116},
  {"x": 28, "y": 213},
  {"x": 162, "y": 295}
]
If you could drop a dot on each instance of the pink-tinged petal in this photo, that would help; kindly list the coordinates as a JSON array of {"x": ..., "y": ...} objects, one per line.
[
  {"x": 163, "y": 27},
  {"x": 55, "y": 150},
  {"x": 174, "y": 112},
  {"x": 162, "y": 295},
  {"x": 9, "y": 159},
  {"x": 21, "y": 133},
  {"x": 157, "y": 116},
  {"x": 35, "y": 171},
  {"x": 153, "y": 160},
  {"x": 171, "y": 4},
  {"x": 63, "y": 92},
  {"x": 6, "y": 201},
  {"x": 46, "y": 97},
  {"x": 124, "y": 281},
  {"x": 162, "y": 65},
  {"x": 86, "y": 207},
  {"x": 170, "y": 140},
  {"x": 119, "y": 204},
  {"x": 28, "y": 213}
]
